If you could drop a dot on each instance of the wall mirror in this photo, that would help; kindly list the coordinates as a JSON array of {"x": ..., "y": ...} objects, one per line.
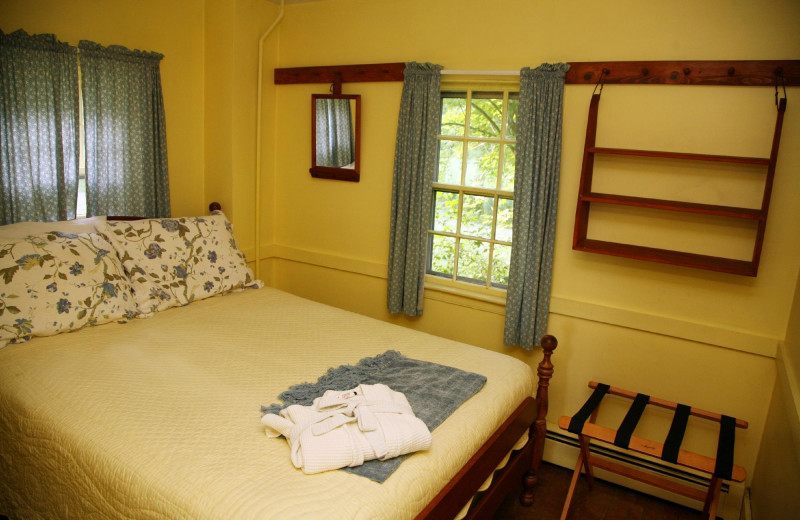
[{"x": 336, "y": 136}]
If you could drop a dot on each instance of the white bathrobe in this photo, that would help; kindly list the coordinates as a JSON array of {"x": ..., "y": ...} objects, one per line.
[{"x": 342, "y": 429}]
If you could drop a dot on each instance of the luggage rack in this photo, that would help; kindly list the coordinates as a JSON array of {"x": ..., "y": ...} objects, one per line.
[{"x": 720, "y": 467}]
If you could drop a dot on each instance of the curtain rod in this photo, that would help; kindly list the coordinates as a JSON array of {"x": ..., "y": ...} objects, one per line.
[{"x": 482, "y": 72}]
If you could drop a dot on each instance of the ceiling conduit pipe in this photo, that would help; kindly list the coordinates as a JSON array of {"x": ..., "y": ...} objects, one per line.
[{"x": 257, "y": 209}]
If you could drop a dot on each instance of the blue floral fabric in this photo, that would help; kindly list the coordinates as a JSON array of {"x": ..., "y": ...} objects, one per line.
[
  {"x": 173, "y": 262},
  {"x": 126, "y": 141},
  {"x": 535, "y": 203},
  {"x": 38, "y": 128},
  {"x": 57, "y": 282},
  {"x": 414, "y": 168}
]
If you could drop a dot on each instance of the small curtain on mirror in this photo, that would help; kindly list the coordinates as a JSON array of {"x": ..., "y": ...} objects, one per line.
[
  {"x": 39, "y": 136},
  {"x": 414, "y": 168},
  {"x": 126, "y": 142},
  {"x": 535, "y": 203},
  {"x": 335, "y": 142}
]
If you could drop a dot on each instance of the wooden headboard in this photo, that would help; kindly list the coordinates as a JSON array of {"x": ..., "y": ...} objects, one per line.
[{"x": 214, "y": 206}]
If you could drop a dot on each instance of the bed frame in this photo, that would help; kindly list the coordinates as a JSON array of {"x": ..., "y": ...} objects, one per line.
[{"x": 523, "y": 464}]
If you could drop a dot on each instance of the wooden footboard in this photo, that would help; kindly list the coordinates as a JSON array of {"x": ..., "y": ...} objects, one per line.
[{"x": 523, "y": 464}]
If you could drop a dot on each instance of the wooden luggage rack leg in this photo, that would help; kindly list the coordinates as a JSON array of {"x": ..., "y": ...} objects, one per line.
[{"x": 720, "y": 467}]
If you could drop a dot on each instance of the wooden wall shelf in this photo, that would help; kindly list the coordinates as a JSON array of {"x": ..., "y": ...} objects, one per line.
[{"x": 586, "y": 197}]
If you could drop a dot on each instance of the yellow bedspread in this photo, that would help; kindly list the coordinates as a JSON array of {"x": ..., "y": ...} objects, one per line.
[{"x": 160, "y": 418}]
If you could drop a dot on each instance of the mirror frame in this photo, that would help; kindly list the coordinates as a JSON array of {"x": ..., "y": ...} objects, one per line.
[{"x": 329, "y": 172}]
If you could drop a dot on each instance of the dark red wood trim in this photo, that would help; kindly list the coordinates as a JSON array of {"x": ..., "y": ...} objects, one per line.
[
  {"x": 668, "y": 256},
  {"x": 328, "y": 172},
  {"x": 674, "y": 205},
  {"x": 530, "y": 415},
  {"x": 761, "y": 161},
  {"x": 741, "y": 72},
  {"x": 773, "y": 162},
  {"x": 340, "y": 73},
  {"x": 581, "y": 242},
  {"x": 756, "y": 73},
  {"x": 465, "y": 484},
  {"x": 538, "y": 429},
  {"x": 587, "y": 169},
  {"x": 338, "y": 174}
]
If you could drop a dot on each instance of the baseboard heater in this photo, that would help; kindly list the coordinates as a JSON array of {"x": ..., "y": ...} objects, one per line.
[{"x": 634, "y": 460}]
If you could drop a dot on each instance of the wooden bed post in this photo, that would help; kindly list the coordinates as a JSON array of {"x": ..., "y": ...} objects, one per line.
[{"x": 539, "y": 426}]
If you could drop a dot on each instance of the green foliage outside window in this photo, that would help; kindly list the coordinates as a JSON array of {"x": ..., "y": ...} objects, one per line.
[{"x": 471, "y": 225}]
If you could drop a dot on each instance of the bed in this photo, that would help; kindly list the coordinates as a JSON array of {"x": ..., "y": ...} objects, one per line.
[{"x": 158, "y": 417}]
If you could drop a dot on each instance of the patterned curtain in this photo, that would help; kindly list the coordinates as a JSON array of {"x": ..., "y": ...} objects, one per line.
[
  {"x": 38, "y": 128},
  {"x": 535, "y": 200},
  {"x": 335, "y": 142},
  {"x": 126, "y": 141},
  {"x": 414, "y": 167}
]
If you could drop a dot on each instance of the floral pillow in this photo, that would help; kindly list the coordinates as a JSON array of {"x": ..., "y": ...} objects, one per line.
[
  {"x": 57, "y": 282},
  {"x": 174, "y": 261}
]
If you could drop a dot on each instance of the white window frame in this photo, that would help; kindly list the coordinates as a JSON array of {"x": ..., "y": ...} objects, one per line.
[
  {"x": 80, "y": 209},
  {"x": 453, "y": 284}
]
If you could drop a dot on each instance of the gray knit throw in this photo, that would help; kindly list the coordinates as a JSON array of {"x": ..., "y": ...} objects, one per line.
[{"x": 433, "y": 391}]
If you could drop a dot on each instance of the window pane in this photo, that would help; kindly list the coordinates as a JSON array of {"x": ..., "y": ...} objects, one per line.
[
  {"x": 450, "y": 156},
  {"x": 445, "y": 213},
  {"x": 476, "y": 216},
  {"x": 482, "y": 163},
  {"x": 454, "y": 113},
  {"x": 80, "y": 209},
  {"x": 501, "y": 258},
  {"x": 473, "y": 260},
  {"x": 509, "y": 167},
  {"x": 511, "y": 123},
  {"x": 486, "y": 114},
  {"x": 442, "y": 254},
  {"x": 505, "y": 220}
]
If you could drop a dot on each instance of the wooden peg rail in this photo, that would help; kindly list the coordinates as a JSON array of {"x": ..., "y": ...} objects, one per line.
[
  {"x": 583, "y": 424},
  {"x": 749, "y": 73},
  {"x": 752, "y": 73},
  {"x": 340, "y": 73}
]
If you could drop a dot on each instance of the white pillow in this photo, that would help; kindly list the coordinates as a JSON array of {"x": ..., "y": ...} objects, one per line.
[
  {"x": 58, "y": 282},
  {"x": 174, "y": 261},
  {"x": 23, "y": 229}
]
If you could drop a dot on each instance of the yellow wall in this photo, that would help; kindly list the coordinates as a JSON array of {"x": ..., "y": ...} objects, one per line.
[
  {"x": 208, "y": 80},
  {"x": 173, "y": 28},
  {"x": 232, "y": 32},
  {"x": 692, "y": 336},
  {"x": 779, "y": 458}
]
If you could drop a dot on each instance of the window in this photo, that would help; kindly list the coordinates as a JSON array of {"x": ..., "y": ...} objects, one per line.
[
  {"x": 473, "y": 190},
  {"x": 80, "y": 209}
]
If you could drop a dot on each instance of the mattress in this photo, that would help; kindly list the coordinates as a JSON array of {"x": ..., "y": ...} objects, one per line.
[{"x": 160, "y": 417}]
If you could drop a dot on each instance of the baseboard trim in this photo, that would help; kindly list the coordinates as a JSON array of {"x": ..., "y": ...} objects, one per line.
[
  {"x": 719, "y": 336},
  {"x": 747, "y": 512}
]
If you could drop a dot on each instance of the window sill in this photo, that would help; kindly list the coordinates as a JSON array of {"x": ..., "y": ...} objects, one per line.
[{"x": 464, "y": 290}]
